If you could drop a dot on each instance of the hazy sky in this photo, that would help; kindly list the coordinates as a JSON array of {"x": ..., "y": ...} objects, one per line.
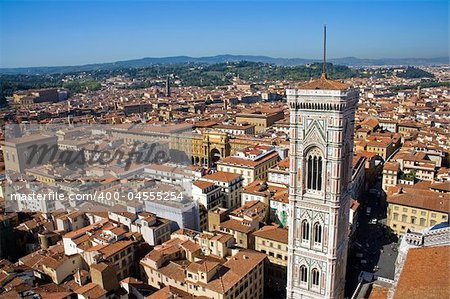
[{"x": 47, "y": 33}]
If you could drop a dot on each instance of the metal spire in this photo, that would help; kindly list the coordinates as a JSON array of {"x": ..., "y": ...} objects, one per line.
[{"x": 324, "y": 66}]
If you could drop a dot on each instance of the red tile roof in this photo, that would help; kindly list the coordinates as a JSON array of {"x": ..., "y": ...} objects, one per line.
[
  {"x": 324, "y": 83},
  {"x": 425, "y": 274}
]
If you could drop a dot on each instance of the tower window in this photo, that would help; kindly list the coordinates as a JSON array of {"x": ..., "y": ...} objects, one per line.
[
  {"x": 315, "y": 277},
  {"x": 305, "y": 230},
  {"x": 314, "y": 170},
  {"x": 317, "y": 233},
  {"x": 303, "y": 274}
]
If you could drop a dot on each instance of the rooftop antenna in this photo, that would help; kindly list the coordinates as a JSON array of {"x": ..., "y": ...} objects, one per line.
[{"x": 324, "y": 66}]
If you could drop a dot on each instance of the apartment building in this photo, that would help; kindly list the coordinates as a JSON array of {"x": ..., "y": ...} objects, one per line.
[
  {"x": 103, "y": 241},
  {"x": 52, "y": 263},
  {"x": 420, "y": 165},
  {"x": 18, "y": 152},
  {"x": 181, "y": 264},
  {"x": 252, "y": 162},
  {"x": 414, "y": 208},
  {"x": 154, "y": 230},
  {"x": 280, "y": 211},
  {"x": 260, "y": 119},
  {"x": 273, "y": 241},
  {"x": 238, "y": 129},
  {"x": 211, "y": 243},
  {"x": 391, "y": 171},
  {"x": 241, "y": 222},
  {"x": 279, "y": 174},
  {"x": 231, "y": 186},
  {"x": 382, "y": 146},
  {"x": 260, "y": 190},
  {"x": 208, "y": 196}
]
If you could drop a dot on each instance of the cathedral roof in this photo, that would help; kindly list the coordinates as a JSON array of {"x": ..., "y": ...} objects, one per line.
[{"x": 324, "y": 83}]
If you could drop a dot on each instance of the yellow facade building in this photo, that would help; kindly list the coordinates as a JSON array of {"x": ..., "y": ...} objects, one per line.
[{"x": 412, "y": 208}]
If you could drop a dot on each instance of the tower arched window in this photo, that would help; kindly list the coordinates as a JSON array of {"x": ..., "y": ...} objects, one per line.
[
  {"x": 305, "y": 230},
  {"x": 314, "y": 163},
  {"x": 315, "y": 277},
  {"x": 317, "y": 233},
  {"x": 303, "y": 274}
]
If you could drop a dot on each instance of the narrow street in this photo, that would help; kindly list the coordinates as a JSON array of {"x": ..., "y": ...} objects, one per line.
[{"x": 374, "y": 246}]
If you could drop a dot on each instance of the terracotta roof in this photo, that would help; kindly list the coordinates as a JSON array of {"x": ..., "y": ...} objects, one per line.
[
  {"x": 244, "y": 162},
  {"x": 239, "y": 265},
  {"x": 324, "y": 83},
  {"x": 236, "y": 225},
  {"x": 274, "y": 233},
  {"x": 203, "y": 184},
  {"x": 222, "y": 176},
  {"x": 284, "y": 163},
  {"x": 422, "y": 276},
  {"x": 420, "y": 198},
  {"x": 282, "y": 196},
  {"x": 114, "y": 248},
  {"x": 91, "y": 291},
  {"x": 170, "y": 292},
  {"x": 394, "y": 166},
  {"x": 202, "y": 266},
  {"x": 253, "y": 209},
  {"x": 443, "y": 186},
  {"x": 174, "y": 270}
]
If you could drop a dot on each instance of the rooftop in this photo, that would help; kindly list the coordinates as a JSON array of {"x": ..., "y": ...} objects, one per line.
[
  {"x": 274, "y": 233},
  {"x": 324, "y": 83},
  {"x": 415, "y": 280}
]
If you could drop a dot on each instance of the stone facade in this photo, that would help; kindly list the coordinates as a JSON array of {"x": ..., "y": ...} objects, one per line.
[{"x": 322, "y": 131}]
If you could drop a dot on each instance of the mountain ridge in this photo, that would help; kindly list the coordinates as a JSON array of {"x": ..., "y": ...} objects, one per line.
[{"x": 148, "y": 61}]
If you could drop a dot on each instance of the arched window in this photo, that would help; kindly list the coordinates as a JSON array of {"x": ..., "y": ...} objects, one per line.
[
  {"x": 317, "y": 233},
  {"x": 314, "y": 170},
  {"x": 315, "y": 277},
  {"x": 303, "y": 274},
  {"x": 305, "y": 230}
]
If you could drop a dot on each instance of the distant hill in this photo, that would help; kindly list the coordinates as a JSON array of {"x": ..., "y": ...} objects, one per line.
[{"x": 148, "y": 61}]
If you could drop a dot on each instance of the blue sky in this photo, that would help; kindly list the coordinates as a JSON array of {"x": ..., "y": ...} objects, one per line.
[{"x": 46, "y": 33}]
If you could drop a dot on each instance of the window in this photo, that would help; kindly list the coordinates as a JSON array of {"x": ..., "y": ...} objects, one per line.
[
  {"x": 395, "y": 216},
  {"x": 314, "y": 170},
  {"x": 413, "y": 220},
  {"x": 404, "y": 218},
  {"x": 303, "y": 274},
  {"x": 317, "y": 233},
  {"x": 305, "y": 230},
  {"x": 315, "y": 277},
  {"x": 422, "y": 221}
]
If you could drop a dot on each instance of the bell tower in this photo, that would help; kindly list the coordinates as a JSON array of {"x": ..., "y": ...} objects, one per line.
[{"x": 322, "y": 114}]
